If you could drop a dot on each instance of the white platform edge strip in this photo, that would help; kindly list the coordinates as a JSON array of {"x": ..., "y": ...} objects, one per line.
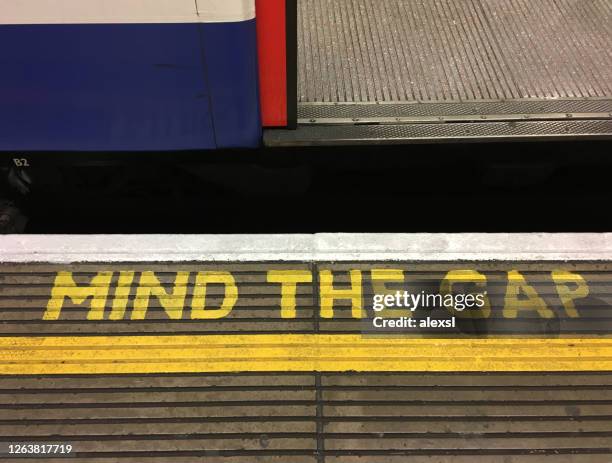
[
  {"x": 13, "y": 12},
  {"x": 321, "y": 247}
]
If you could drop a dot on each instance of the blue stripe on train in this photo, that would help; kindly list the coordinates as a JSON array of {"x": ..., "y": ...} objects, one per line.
[
  {"x": 128, "y": 87},
  {"x": 233, "y": 83}
]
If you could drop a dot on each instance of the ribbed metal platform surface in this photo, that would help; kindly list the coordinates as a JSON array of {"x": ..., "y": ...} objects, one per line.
[
  {"x": 454, "y": 50},
  {"x": 321, "y": 134},
  {"x": 314, "y": 418}
]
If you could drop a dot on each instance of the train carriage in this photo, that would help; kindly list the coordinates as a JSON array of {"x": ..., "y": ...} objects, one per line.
[{"x": 168, "y": 75}]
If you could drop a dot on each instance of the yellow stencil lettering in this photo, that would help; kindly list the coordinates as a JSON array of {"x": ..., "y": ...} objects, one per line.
[
  {"x": 567, "y": 295},
  {"x": 66, "y": 288},
  {"x": 289, "y": 279},
  {"x": 122, "y": 294},
  {"x": 518, "y": 285},
  {"x": 198, "y": 304},
  {"x": 172, "y": 302},
  {"x": 329, "y": 294}
]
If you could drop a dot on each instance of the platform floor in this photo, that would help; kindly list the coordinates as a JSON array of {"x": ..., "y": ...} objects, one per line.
[
  {"x": 314, "y": 418},
  {"x": 104, "y": 346},
  {"x": 368, "y": 51}
]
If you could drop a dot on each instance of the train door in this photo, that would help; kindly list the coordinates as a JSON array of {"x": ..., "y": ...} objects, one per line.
[{"x": 397, "y": 71}]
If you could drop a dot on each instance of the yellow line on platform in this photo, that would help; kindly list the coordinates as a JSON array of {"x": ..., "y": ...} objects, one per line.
[{"x": 294, "y": 353}]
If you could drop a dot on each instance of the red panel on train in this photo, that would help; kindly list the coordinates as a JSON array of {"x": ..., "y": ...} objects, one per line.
[{"x": 271, "y": 32}]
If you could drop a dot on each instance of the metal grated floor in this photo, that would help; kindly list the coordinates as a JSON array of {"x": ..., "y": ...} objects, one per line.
[{"x": 366, "y": 51}]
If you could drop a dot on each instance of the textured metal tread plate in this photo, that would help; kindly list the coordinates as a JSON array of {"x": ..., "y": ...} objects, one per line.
[
  {"x": 476, "y": 110},
  {"x": 313, "y": 418},
  {"x": 453, "y": 51},
  {"x": 326, "y": 135}
]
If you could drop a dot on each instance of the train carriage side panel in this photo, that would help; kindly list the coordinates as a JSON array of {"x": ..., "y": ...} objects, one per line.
[
  {"x": 127, "y": 75},
  {"x": 230, "y": 51}
]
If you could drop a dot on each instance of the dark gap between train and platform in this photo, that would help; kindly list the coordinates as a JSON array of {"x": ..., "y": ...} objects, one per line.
[{"x": 547, "y": 187}]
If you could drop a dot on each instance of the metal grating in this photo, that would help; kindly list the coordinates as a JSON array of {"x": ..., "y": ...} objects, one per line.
[
  {"x": 592, "y": 109},
  {"x": 327, "y": 135},
  {"x": 453, "y": 51}
]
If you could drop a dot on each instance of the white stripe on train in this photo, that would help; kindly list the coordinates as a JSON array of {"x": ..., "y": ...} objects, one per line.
[
  {"x": 322, "y": 247},
  {"x": 124, "y": 11}
]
